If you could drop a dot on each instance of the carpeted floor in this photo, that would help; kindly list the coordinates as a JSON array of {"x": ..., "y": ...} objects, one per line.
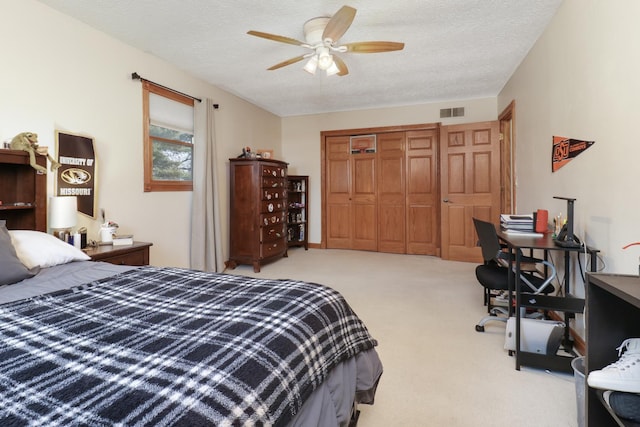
[{"x": 438, "y": 371}]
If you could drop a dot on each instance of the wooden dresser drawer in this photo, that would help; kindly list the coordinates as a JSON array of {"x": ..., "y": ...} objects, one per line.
[
  {"x": 274, "y": 194},
  {"x": 268, "y": 182},
  {"x": 268, "y": 249},
  {"x": 273, "y": 218},
  {"x": 268, "y": 206},
  {"x": 133, "y": 258},
  {"x": 276, "y": 171},
  {"x": 272, "y": 232}
]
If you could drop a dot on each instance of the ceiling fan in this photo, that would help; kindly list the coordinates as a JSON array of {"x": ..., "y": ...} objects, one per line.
[{"x": 321, "y": 37}]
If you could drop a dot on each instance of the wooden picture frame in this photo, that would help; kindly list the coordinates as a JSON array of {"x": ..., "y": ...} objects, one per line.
[{"x": 265, "y": 154}]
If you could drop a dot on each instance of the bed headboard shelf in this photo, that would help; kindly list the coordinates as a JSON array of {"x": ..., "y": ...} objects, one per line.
[{"x": 23, "y": 191}]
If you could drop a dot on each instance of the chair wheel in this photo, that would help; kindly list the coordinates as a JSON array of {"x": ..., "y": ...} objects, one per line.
[{"x": 479, "y": 328}]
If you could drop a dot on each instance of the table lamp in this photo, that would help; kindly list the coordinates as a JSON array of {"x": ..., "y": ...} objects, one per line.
[{"x": 62, "y": 215}]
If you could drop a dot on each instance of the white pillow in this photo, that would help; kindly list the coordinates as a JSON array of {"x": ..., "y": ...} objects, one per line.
[{"x": 36, "y": 248}]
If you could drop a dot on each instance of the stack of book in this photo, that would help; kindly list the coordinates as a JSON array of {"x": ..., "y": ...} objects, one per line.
[
  {"x": 122, "y": 239},
  {"x": 518, "y": 225}
]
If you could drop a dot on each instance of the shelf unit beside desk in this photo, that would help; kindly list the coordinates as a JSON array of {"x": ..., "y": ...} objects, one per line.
[
  {"x": 613, "y": 315},
  {"x": 567, "y": 304}
]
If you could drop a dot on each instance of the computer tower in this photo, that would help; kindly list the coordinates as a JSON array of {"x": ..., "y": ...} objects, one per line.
[{"x": 536, "y": 335}]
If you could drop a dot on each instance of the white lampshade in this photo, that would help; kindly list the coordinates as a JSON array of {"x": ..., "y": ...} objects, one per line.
[
  {"x": 311, "y": 65},
  {"x": 333, "y": 69},
  {"x": 63, "y": 212},
  {"x": 325, "y": 59}
]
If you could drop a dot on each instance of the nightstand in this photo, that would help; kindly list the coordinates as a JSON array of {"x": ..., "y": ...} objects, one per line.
[{"x": 135, "y": 254}]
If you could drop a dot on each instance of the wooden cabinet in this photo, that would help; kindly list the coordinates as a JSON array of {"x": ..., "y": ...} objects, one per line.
[
  {"x": 297, "y": 212},
  {"x": 258, "y": 212},
  {"x": 612, "y": 315},
  {"x": 135, "y": 254},
  {"x": 23, "y": 191}
]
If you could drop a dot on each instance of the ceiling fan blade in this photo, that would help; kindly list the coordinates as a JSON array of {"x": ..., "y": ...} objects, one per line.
[
  {"x": 373, "y": 47},
  {"x": 274, "y": 37},
  {"x": 339, "y": 23},
  {"x": 288, "y": 62},
  {"x": 341, "y": 66}
]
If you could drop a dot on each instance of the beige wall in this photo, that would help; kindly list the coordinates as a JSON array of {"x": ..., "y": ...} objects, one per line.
[
  {"x": 582, "y": 80},
  {"x": 59, "y": 74},
  {"x": 301, "y": 137}
]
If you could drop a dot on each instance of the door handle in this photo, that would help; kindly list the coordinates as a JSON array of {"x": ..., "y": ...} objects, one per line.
[{"x": 445, "y": 200}]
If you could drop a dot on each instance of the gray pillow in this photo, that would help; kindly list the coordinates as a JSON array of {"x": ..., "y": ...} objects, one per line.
[{"x": 11, "y": 269}]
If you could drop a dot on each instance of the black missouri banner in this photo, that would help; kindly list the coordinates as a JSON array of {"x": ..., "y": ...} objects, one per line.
[{"x": 77, "y": 172}]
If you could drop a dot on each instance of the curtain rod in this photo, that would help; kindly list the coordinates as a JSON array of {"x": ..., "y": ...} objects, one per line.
[{"x": 136, "y": 76}]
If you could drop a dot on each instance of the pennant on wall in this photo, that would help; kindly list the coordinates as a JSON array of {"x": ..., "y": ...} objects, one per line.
[
  {"x": 565, "y": 150},
  {"x": 77, "y": 172}
]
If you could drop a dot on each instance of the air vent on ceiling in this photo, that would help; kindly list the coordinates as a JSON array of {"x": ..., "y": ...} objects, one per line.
[{"x": 452, "y": 112}]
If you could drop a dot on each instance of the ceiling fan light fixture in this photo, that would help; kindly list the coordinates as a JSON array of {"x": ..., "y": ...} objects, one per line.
[
  {"x": 325, "y": 59},
  {"x": 313, "y": 30},
  {"x": 333, "y": 69},
  {"x": 311, "y": 65},
  {"x": 322, "y": 35}
]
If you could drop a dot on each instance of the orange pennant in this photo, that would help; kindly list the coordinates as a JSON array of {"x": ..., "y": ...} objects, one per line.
[{"x": 565, "y": 150}]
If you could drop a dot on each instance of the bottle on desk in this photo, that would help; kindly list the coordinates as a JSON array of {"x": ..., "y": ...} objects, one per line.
[{"x": 541, "y": 221}]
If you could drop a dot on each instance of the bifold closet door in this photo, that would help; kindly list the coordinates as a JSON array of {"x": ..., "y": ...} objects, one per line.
[
  {"x": 408, "y": 200},
  {"x": 422, "y": 200},
  {"x": 364, "y": 202},
  {"x": 392, "y": 232},
  {"x": 386, "y": 200},
  {"x": 416, "y": 194},
  {"x": 351, "y": 197},
  {"x": 338, "y": 193}
]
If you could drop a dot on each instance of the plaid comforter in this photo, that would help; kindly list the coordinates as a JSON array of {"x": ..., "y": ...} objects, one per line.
[{"x": 172, "y": 347}]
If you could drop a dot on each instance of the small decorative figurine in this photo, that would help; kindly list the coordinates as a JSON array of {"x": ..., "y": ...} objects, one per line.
[
  {"x": 28, "y": 141},
  {"x": 246, "y": 153}
]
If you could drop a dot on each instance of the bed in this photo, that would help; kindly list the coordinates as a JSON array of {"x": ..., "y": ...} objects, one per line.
[{"x": 96, "y": 344}]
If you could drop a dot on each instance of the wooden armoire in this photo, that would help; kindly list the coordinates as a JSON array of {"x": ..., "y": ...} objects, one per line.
[{"x": 258, "y": 212}]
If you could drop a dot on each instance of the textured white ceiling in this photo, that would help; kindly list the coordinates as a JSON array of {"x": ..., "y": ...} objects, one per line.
[{"x": 454, "y": 49}]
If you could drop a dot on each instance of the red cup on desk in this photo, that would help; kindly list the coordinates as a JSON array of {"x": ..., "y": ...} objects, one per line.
[{"x": 542, "y": 220}]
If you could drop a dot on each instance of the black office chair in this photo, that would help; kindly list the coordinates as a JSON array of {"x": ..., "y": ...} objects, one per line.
[{"x": 493, "y": 274}]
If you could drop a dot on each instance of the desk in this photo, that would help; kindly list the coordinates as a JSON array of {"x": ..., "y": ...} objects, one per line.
[{"x": 567, "y": 304}]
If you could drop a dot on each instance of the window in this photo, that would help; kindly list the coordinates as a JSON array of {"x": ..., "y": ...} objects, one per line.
[{"x": 168, "y": 139}]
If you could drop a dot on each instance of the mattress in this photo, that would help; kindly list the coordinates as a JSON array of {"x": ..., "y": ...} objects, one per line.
[
  {"x": 97, "y": 344},
  {"x": 59, "y": 277}
]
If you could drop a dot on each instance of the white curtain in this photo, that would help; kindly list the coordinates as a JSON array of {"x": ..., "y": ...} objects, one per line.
[{"x": 206, "y": 243}]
